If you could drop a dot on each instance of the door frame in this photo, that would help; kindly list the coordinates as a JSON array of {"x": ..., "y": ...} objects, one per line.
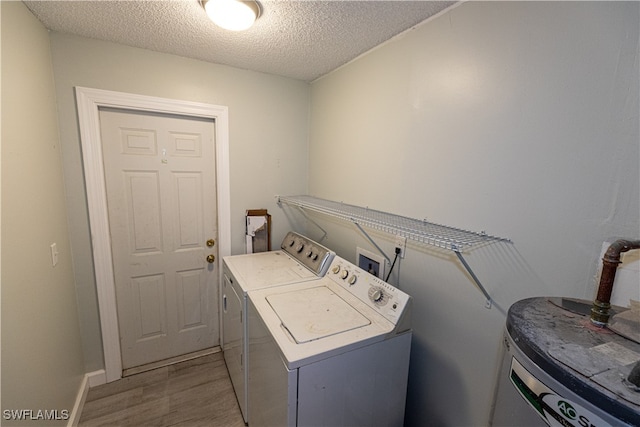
[{"x": 89, "y": 101}]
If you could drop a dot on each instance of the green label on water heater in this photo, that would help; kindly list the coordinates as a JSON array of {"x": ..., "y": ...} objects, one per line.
[{"x": 554, "y": 409}]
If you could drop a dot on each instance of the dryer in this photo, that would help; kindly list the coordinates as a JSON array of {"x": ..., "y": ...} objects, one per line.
[
  {"x": 334, "y": 351},
  {"x": 299, "y": 259}
]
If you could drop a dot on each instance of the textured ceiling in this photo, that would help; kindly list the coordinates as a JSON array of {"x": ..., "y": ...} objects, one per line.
[{"x": 302, "y": 39}]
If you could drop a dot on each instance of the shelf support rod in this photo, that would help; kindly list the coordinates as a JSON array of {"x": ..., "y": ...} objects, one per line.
[
  {"x": 473, "y": 276},
  {"x": 371, "y": 240},
  {"x": 311, "y": 220}
]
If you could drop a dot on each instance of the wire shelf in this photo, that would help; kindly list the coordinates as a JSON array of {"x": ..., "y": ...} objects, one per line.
[{"x": 425, "y": 232}]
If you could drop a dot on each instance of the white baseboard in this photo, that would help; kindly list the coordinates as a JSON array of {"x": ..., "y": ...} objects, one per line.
[
  {"x": 97, "y": 378},
  {"x": 89, "y": 380}
]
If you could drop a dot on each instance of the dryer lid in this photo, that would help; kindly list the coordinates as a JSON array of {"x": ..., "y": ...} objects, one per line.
[{"x": 315, "y": 313}]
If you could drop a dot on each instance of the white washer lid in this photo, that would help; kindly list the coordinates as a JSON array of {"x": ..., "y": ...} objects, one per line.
[
  {"x": 314, "y": 313},
  {"x": 255, "y": 271}
]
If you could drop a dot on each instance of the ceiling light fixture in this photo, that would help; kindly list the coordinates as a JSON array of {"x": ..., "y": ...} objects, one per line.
[{"x": 235, "y": 15}]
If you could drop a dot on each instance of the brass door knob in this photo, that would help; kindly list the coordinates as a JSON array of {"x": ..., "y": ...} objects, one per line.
[
  {"x": 210, "y": 258},
  {"x": 211, "y": 242}
]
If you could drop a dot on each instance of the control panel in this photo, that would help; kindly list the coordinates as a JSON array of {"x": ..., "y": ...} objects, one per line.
[
  {"x": 311, "y": 254},
  {"x": 373, "y": 291}
]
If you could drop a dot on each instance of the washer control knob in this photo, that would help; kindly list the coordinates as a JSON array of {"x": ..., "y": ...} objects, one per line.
[
  {"x": 353, "y": 279},
  {"x": 309, "y": 254},
  {"x": 299, "y": 248},
  {"x": 377, "y": 295},
  {"x": 335, "y": 269},
  {"x": 344, "y": 274}
]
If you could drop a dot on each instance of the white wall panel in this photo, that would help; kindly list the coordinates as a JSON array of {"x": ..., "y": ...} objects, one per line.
[
  {"x": 516, "y": 118},
  {"x": 42, "y": 358},
  {"x": 267, "y": 157}
]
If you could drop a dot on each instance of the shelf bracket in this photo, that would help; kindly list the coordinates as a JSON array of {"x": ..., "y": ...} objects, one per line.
[
  {"x": 371, "y": 240},
  {"x": 312, "y": 221},
  {"x": 488, "y": 303}
]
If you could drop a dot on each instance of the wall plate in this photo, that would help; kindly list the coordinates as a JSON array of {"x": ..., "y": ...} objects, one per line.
[
  {"x": 370, "y": 262},
  {"x": 401, "y": 243}
]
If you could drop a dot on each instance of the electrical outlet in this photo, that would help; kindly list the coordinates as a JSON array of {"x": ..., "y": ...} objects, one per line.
[{"x": 401, "y": 243}]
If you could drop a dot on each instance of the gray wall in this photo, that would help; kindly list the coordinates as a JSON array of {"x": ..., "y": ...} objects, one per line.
[
  {"x": 520, "y": 119},
  {"x": 516, "y": 118},
  {"x": 268, "y": 122},
  {"x": 42, "y": 360}
]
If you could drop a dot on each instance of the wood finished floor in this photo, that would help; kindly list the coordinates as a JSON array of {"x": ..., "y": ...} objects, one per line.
[{"x": 193, "y": 393}]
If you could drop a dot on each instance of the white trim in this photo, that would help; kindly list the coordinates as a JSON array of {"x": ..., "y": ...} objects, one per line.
[
  {"x": 96, "y": 378},
  {"x": 89, "y": 380},
  {"x": 76, "y": 412},
  {"x": 88, "y": 102}
]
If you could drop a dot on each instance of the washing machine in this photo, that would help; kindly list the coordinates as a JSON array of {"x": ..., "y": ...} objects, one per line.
[
  {"x": 560, "y": 370},
  {"x": 332, "y": 352},
  {"x": 300, "y": 259}
]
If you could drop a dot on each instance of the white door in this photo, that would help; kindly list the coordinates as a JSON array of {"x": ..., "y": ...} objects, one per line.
[{"x": 161, "y": 197}]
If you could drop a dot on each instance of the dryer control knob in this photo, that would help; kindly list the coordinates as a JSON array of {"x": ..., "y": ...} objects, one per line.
[
  {"x": 344, "y": 274},
  {"x": 299, "y": 248},
  {"x": 335, "y": 269},
  {"x": 353, "y": 279},
  {"x": 377, "y": 295}
]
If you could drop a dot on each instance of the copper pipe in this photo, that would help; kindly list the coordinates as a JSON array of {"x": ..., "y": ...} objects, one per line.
[{"x": 610, "y": 261}]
